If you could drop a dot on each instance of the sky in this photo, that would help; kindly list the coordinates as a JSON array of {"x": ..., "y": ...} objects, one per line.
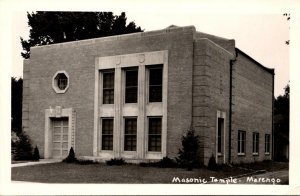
[{"x": 262, "y": 36}]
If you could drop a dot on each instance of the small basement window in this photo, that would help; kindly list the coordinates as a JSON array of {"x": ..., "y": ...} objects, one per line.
[{"x": 60, "y": 82}]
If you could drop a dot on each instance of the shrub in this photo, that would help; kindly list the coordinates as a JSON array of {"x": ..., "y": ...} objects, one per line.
[
  {"x": 71, "y": 157},
  {"x": 188, "y": 155},
  {"x": 143, "y": 164},
  {"x": 36, "y": 154},
  {"x": 22, "y": 147},
  {"x": 165, "y": 162},
  {"x": 85, "y": 162},
  {"x": 116, "y": 161},
  {"x": 212, "y": 165}
]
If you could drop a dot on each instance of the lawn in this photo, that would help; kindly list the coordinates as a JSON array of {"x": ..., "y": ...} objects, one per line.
[{"x": 102, "y": 173}]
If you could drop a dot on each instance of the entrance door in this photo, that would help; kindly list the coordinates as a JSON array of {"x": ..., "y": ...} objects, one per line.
[{"x": 60, "y": 137}]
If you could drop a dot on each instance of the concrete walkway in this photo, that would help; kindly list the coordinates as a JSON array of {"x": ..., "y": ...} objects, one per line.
[{"x": 41, "y": 161}]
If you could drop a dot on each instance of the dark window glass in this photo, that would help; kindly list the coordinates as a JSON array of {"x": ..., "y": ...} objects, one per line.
[
  {"x": 154, "y": 141},
  {"x": 62, "y": 81},
  {"x": 241, "y": 141},
  {"x": 255, "y": 143},
  {"x": 107, "y": 134},
  {"x": 130, "y": 134},
  {"x": 220, "y": 128},
  {"x": 131, "y": 87},
  {"x": 155, "y": 84},
  {"x": 267, "y": 143},
  {"x": 108, "y": 87}
]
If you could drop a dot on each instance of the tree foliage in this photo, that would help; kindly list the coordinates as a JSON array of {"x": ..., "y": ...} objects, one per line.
[
  {"x": 57, "y": 27},
  {"x": 188, "y": 155},
  {"x": 16, "y": 104},
  {"x": 36, "y": 154},
  {"x": 282, "y": 103},
  {"x": 71, "y": 158},
  {"x": 281, "y": 123},
  {"x": 23, "y": 148},
  {"x": 212, "y": 165}
]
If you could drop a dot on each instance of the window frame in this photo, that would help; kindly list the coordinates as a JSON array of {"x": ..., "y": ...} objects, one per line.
[
  {"x": 111, "y": 99},
  {"x": 255, "y": 143},
  {"x": 154, "y": 134},
  {"x": 241, "y": 142},
  {"x": 153, "y": 67},
  {"x": 55, "y": 84},
  {"x": 126, "y": 70},
  {"x": 111, "y": 134},
  {"x": 220, "y": 133},
  {"x": 267, "y": 143},
  {"x": 125, "y": 148}
]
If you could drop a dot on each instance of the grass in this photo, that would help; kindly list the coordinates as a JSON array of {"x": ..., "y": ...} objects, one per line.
[
  {"x": 269, "y": 166},
  {"x": 101, "y": 173}
]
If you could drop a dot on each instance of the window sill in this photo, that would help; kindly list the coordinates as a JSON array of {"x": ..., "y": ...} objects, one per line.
[
  {"x": 219, "y": 154},
  {"x": 255, "y": 154},
  {"x": 154, "y": 152},
  {"x": 267, "y": 153},
  {"x": 241, "y": 154},
  {"x": 133, "y": 103}
]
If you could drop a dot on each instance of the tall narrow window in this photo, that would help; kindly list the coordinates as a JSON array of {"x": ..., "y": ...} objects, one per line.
[
  {"x": 131, "y": 86},
  {"x": 130, "y": 134},
  {"x": 255, "y": 143},
  {"x": 107, "y": 133},
  {"x": 154, "y": 134},
  {"x": 155, "y": 83},
  {"x": 267, "y": 144},
  {"x": 108, "y": 87},
  {"x": 220, "y": 133},
  {"x": 241, "y": 142}
]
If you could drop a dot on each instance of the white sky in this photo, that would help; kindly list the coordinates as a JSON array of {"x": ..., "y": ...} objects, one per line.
[{"x": 262, "y": 36}]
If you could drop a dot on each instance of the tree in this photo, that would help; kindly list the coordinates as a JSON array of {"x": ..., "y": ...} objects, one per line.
[
  {"x": 71, "y": 158},
  {"x": 188, "y": 155},
  {"x": 57, "y": 27},
  {"x": 23, "y": 148},
  {"x": 16, "y": 104},
  {"x": 36, "y": 154},
  {"x": 212, "y": 165},
  {"x": 281, "y": 124}
]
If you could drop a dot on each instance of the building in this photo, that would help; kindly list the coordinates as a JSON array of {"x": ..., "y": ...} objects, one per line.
[{"x": 134, "y": 96}]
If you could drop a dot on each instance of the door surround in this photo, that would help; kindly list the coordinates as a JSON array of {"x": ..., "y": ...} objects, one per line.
[{"x": 58, "y": 112}]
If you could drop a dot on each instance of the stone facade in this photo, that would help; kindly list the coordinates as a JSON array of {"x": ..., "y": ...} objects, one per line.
[{"x": 198, "y": 84}]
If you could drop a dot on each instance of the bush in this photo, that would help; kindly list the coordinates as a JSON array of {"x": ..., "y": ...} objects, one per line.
[
  {"x": 212, "y": 165},
  {"x": 188, "y": 155},
  {"x": 22, "y": 147},
  {"x": 36, "y": 154},
  {"x": 116, "y": 161},
  {"x": 85, "y": 162},
  {"x": 71, "y": 157},
  {"x": 165, "y": 162}
]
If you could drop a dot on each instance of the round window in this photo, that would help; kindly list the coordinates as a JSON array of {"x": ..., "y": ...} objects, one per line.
[{"x": 60, "y": 82}]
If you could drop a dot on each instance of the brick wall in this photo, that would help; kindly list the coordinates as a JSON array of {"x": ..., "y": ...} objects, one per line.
[
  {"x": 210, "y": 93},
  {"x": 78, "y": 60},
  {"x": 198, "y": 87},
  {"x": 252, "y": 106}
]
